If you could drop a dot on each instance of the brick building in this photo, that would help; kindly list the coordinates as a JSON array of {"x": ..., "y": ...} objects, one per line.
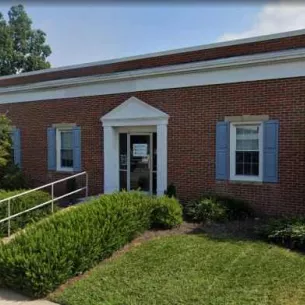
[{"x": 226, "y": 117}]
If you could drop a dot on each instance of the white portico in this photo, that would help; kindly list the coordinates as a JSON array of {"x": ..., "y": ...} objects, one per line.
[{"x": 135, "y": 148}]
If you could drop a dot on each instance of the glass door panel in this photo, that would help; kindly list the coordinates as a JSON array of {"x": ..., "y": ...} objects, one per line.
[
  {"x": 140, "y": 162},
  {"x": 123, "y": 160}
]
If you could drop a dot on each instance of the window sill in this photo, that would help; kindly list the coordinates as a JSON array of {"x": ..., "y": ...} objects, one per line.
[
  {"x": 236, "y": 181},
  {"x": 64, "y": 170}
]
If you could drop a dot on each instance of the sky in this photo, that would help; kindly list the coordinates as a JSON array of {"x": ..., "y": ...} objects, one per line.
[{"x": 88, "y": 31}]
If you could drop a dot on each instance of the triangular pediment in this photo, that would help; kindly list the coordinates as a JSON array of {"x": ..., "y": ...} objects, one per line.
[{"x": 134, "y": 109}]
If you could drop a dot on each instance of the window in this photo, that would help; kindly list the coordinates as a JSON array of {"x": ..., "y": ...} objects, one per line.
[
  {"x": 64, "y": 149},
  {"x": 246, "y": 151}
]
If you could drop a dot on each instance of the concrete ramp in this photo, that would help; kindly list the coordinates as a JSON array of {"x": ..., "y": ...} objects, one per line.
[{"x": 9, "y": 297}]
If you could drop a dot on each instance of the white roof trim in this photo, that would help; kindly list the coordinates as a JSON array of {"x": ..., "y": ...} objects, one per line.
[
  {"x": 273, "y": 65},
  {"x": 133, "y": 110},
  {"x": 279, "y": 56},
  {"x": 162, "y": 53}
]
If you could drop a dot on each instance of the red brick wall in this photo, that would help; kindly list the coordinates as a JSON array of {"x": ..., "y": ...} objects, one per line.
[
  {"x": 186, "y": 57},
  {"x": 191, "y": 136}
]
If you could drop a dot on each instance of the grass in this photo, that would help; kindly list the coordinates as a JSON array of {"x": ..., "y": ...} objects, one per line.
[{"x": 193, "y": 269}]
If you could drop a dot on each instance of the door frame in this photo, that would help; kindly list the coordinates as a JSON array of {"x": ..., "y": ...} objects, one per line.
[
  {"x": 150, "y": 164},
  {"x": 130, "y": 114}
]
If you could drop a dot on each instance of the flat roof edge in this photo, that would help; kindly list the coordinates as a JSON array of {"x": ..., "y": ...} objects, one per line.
[{"x": 163, "y": 53}]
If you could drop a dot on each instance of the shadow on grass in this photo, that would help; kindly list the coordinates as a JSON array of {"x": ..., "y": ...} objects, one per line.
[{"x": 238, "y": 230}]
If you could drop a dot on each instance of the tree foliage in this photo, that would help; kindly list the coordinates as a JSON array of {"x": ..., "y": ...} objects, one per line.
[
  {"x": 11, "y": 177},
  {"x": 22, "y": 48},
  {"x": 5, "y": 141}
]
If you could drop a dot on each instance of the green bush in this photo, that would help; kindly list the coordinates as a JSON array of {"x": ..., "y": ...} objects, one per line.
[
  {"x": 205, "y": 209},
  {"x": 12, "y": 178},
  {"x": 71, "y": 186},
  {"x": 167, "y": 213},
  {"x": 287, "y": 232},
  {"x": 73, "y": 240},
  {"x": 217, "y": 208},
  {"x": 171, "y": 191},
  {"x": 236, "y": 209},
  {"x": 20, "y": 204}
]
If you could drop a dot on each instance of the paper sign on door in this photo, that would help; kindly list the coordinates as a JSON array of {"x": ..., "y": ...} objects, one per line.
[{"x": 139, "y": 150}]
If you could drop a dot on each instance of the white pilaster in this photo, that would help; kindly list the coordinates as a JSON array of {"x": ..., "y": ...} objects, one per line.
[
  {"x": 111, "y": 170},
  {"x": 161, "y": 158}
]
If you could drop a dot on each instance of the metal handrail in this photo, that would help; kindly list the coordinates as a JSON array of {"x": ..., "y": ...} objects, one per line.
[
  {"x": 41, "y": 187},
  {"x": 9, "y": 216}
]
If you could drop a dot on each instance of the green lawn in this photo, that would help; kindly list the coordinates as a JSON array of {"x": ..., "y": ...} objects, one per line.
[{"x": 193, "y": 269}]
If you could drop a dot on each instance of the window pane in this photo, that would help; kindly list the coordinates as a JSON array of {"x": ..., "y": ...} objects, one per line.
[
  {"x": 247, "y": 150},
  {"x": 66, "y": 157},
  {"x": 247, "y": 163},
  {"x": 123, "y": 150},
  {"x": 66, "y": 140},
  {"x": 247, "y": 138},
  {"x": 254, "y": 169},
  {"x": 155, "y": 151},
  {"x": 123, "y": 180},
  {"x": 154, "y": 184}
]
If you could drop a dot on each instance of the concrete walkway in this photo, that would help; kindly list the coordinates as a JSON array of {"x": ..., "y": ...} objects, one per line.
[{"x": 8, "y": 297}]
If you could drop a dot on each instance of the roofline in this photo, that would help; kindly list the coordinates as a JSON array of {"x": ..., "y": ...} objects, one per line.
[
  {"x": 163, "y": 53},
  {"x": 238, "y": 61},
  {"x": 246, "y": 68}
]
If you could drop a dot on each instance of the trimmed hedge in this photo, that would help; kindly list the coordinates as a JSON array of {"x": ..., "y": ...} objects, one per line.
[
  {"x": 167, "y": 213},
  {"x": 20, "y": 204},
  {"x": 71, "y": 241}
]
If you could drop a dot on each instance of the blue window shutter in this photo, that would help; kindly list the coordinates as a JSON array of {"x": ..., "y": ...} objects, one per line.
[
  {"x": 222, "y": 150},
  {"x": 77, "y": 158},
  {"x": 51, "y": 134},
  {"x": 17, "y": 146},
  {"x": 270, "y": 151}
]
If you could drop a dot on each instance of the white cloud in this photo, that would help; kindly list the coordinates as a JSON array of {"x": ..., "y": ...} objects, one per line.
[{"x": 273, "y": 18}]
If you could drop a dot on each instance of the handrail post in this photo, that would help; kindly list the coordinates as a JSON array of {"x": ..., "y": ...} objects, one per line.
[
  {"x": 9, "y": 215},
  {"x": 87, "y": 191},
  {"x": 52, "y": 194}
]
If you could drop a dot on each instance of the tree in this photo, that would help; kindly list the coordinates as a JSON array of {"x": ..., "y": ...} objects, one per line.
[
  {"x": 11, "y": 176},
  {"x": 5, "y": 141},
  {"x": 22, "y": 49}
]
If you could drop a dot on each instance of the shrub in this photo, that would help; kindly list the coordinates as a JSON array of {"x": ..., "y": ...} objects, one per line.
[
  {"x": 71, "y": 186},
  {"x": 5, "y": 142},
  {"x": 167, "y": 213},
  {"x": 217, "y": 208},
  {"x": 20, "y": 204},
  {"x": 171, "y": 191},
  {"x": 12, "y": 178},
  {"x": 236, "y": 209},
  {"x": 287, "y": 232},
  {"x": 205, "y": 209},
  {"x": 71, "y": 241}
]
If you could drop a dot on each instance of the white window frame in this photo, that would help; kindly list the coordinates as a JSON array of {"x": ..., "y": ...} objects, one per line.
[
  {"x": 59, "y": 168},
  {"x": 233, "y": 176}
]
